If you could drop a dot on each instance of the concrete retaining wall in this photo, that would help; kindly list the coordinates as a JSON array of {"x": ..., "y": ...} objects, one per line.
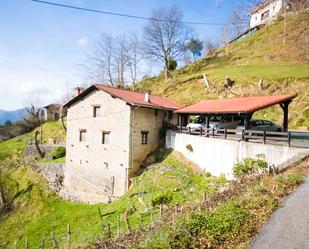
[{"x": 218, "y": 156}]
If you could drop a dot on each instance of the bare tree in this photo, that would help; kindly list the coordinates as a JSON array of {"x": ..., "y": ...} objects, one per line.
[
  {"x": 165, "y": 36},
  {"x": 121, "y": 58},
  {"x": 239, "y": 18},
  {"x": 101, "y": 59},
  {"x": 209, "y": 47},
  {"x": 133, "y": 56}
]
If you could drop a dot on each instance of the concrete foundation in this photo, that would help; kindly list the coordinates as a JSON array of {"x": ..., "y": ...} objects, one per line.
[{"x": 218, "y": 156}]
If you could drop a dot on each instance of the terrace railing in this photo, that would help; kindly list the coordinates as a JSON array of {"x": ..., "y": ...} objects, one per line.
[{"x": 290, "y": 138}]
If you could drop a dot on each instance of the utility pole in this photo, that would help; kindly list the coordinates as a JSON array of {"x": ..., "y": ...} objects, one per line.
[{"x": 284, "y": 23}]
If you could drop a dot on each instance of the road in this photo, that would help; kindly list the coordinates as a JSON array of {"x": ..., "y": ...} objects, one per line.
[{"x": 288, "y": 227}]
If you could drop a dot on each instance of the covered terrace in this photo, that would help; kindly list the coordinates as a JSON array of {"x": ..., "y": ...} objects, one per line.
[{"x": 244, "y": 107}]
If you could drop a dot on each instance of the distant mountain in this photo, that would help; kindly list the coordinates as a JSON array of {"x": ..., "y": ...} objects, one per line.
[{"x": 12, "y": 115}]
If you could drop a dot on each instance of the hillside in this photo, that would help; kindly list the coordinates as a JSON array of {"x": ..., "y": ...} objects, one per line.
[
  {"x": 284, "y": 67},
  {"x": 36, "y": 211}
]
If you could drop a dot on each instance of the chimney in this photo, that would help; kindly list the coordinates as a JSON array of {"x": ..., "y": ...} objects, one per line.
[
  {"x": 147, "y": 97},
  {"x": 78, "y": 90}
]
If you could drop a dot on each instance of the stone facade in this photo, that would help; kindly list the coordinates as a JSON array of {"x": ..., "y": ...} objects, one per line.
[
  {"x": 97, "y": 171},
  {"x": 52, "y": 112}
]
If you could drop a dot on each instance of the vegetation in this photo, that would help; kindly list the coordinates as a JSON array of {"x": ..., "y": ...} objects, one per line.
[
  {"x": 284, "y": 68},
  {"x": 249, "y": 166},
  {"x": 59, "y": 152},
  {"x": 229, "y": 218},
  {"x": 36, "y": 212}
]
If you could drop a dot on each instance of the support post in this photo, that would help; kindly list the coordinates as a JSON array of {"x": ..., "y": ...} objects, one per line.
[{"x": 285, "y": 108}]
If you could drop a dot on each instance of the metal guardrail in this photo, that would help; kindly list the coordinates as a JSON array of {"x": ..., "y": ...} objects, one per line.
[{"x": 300, "y": 139}]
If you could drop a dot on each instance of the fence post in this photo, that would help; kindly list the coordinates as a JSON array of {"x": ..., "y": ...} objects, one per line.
[
  {"x": 118, "y": 224},
  {"x": 127, "y": 223},
  {"x": 189, "y": 130},
  {"x": 108, "y": 229},
  {"x": 225, "y": 133},
  {"x": 243, "y": 135},
  {"x": 201, "y": 131},
  {"x": 289, "y": 138},
  {"x": 180, "y": 128},
  {"x": 26, "y": 243},
  {"x": 264, "y": 137},
  {"x": 69, "y": 235},
  {"x": 54, "y": 241},
  {"x": 213, "y": 132}
]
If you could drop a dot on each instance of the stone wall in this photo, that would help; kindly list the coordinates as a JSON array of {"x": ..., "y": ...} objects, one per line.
[
  {"x": 218, "y": 156},
  {"x": 31, "y": 150},
  {"x": 54, "y": 174},
  {"x": 151, "y": 121},
  {"x": 97, "y": 163}
]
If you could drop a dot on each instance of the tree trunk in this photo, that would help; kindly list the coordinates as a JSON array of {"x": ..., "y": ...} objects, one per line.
[{"x": 36, "y": 142}]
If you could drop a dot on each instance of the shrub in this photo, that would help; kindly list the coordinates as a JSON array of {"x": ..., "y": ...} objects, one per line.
[
  {"x": 215, "y": 227},
  {"x": 189, "y": 147},
  {"x": 58, "y": 152},
  {"x": 249, "y": 166},
  {"x": 162, "y": 198}
]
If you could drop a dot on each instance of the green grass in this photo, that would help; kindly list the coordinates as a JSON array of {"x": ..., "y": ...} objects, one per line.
[
  {"x": 231, "y": 223},
  {"x": 37, "y": 212},
  {"x": 283, "y": 67}
]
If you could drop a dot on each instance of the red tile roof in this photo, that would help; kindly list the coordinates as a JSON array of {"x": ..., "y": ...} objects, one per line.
[
  {"x": 133, "y": 98},
  {"x": 235, "y": 105}
]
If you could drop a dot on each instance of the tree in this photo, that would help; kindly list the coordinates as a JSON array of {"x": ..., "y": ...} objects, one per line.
[
  {"x": 239, "y": 20},
  {"x": 165, "y": 36},
  {"x": 121, "y": 59},
  {"x": 133, "y": 56},
  {"x": 8, "y": 123},
  {"x": 172, "y": 65},
  {"x": 209, "y": 46},
  {"x": 195, "y": 46},
  {"x": 101, "y": 59},
  {"x": 114, "y": 60}
]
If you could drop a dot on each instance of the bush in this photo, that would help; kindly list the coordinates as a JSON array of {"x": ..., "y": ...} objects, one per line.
[
  {"x": 249, "y": 166},
  {"x": 215, "y": 227},
  {"x": 162, "y": 198},
  {"x": 58, "y": 152}
]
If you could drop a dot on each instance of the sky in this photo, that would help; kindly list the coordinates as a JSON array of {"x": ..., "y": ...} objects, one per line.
[{"x": 42, "y": 46}]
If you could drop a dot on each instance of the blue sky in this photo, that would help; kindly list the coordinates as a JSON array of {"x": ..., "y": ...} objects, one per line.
[{"x": 41, "y": 46}]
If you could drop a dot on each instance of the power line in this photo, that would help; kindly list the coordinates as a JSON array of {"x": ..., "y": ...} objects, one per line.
[{"x": 123, "y": 15}]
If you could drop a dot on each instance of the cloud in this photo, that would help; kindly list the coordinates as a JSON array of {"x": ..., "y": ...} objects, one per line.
[
  {"x": 32, "y": 88},
  {"x": 82, "y": 41}
]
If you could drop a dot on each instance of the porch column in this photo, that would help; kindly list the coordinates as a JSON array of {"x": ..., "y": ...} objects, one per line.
[
  {"x": 285, "y": 108},
  {"x": 247, "y": 118}
]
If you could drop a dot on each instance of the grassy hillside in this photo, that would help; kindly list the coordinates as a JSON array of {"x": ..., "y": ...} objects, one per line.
[
  {"x": 36, "y": 212},
  {"x": 284, "y": 67}
]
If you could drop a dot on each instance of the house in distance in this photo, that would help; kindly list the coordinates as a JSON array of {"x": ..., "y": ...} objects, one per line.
[{"x": 266, "y": 11}]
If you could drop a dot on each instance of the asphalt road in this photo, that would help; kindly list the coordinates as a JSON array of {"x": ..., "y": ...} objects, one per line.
[{"x": 288, "y": 227}]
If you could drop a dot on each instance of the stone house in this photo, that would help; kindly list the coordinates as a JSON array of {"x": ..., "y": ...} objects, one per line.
[
  {"x": 51, "y": 112},
  {"x": 266, "y": 11},
  {"x": 110, "y": 131}
]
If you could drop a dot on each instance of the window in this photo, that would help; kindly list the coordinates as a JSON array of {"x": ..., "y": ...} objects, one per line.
[
  {"x": 265, "y": 15},
  {"x": 96, "y": 111},
  {"x": 82, "y": 135},
  {"x": 105, "y": 137},
  {"x": 145, "y": 137}
]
